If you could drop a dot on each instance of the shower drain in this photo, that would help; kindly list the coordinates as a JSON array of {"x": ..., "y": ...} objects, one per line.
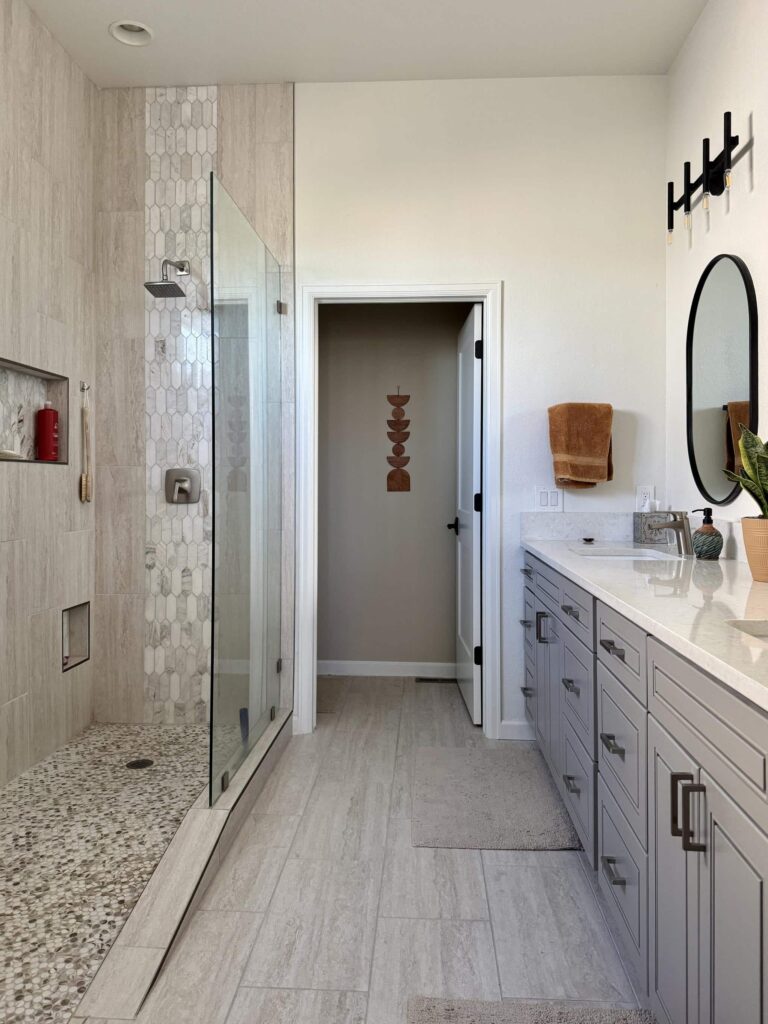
[{"x": 140, "y": 762}]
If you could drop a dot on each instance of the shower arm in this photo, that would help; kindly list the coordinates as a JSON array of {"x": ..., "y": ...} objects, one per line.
[{"x": 182, "y": 268}]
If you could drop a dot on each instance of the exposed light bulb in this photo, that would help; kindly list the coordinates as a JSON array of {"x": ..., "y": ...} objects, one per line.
[
  {"x": 727, "y": 179},
  {"x": 705, "y": 202},
  {"x": 669, "y": 238},
  {"x": 688, "y": 221}
]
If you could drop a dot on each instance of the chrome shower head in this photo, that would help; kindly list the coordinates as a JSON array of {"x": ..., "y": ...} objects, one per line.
[{"x": 165, "y": 289}]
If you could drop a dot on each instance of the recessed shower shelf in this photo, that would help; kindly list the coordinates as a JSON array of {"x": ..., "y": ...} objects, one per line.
[{"x": 24, "y": 390}]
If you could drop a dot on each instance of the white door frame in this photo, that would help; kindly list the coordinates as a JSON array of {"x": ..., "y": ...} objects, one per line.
[{"x": 310, "y": 297}]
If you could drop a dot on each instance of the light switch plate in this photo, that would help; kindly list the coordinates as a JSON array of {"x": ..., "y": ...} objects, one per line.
[{"x": 548, "y": 499}]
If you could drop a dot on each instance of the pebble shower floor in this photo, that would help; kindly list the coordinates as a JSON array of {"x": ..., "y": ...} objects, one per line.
[{"x": 80, "y": 835}]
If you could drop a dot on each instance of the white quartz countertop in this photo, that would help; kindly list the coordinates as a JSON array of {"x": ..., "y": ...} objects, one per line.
[{"x": 685, "y": 603}]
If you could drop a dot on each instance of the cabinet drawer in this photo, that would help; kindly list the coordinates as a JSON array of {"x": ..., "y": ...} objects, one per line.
[
  {"x": 529, "y": 691},
  {"x": 621, "y": 646},
  {"x": 548, "y": 583},
  {"x": 725, "y": 734},
  {"x": 528, "y": 623},
  {"x": 529, "y": 569},
  {"x": 578, "y": 787},
  {"x": 622, "y": 749},
  {"x": 622, "y": 869},
  {"x": 578, "y": 696},
  {"x": 577, "y": 608}
]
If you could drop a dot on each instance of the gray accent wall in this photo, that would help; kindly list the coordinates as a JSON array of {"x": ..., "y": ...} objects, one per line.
[{"x": 387, "y": 563}]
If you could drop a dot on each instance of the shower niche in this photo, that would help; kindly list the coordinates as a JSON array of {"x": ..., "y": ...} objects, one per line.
[
  {"x": 75, "y": 635},
  {"x": 24, "y": 390}
]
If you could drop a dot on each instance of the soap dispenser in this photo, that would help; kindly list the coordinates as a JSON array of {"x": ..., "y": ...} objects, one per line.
[{"x": 707, "y": 540}]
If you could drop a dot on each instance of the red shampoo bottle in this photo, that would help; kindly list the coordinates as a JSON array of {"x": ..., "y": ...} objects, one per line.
[{"x": 47, "y": 434}]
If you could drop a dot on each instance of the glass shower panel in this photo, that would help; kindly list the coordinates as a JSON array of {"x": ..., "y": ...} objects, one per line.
[{"x": 247, "y": 488}]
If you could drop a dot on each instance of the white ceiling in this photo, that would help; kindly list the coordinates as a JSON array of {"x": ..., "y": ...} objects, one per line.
[{"x": 227, "y": 41}]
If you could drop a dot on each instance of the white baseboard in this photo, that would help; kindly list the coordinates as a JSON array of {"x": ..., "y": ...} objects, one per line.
[
  {"x": 428, "y": 669},
  {"x": 512, "y": 730}
]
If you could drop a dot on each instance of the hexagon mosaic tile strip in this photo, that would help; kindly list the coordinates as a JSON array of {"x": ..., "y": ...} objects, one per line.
[
  {"x": 80, "y": 835},
  {"x": 181, "y": 141}
]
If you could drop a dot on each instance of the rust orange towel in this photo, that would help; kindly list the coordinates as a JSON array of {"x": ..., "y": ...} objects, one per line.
[{"x": 580, "y": 439}]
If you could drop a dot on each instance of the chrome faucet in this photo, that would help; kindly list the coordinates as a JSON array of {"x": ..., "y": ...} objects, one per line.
[{"x": 680, "y": 525}]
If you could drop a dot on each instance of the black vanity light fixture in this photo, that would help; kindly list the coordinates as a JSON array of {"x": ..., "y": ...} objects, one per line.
[{"x": 715, "y": 178}]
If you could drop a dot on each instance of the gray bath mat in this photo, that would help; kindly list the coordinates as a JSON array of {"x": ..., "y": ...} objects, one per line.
[
  {"x": 499, "y": 798},
  {"x": 460, "y": 1011}
]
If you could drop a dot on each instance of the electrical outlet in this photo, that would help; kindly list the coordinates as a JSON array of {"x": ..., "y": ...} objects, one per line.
[
  {"x": 644, "y": 494},
  {"x": 548, "y": 499}
]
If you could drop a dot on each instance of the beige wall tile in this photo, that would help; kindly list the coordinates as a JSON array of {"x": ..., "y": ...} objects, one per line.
[
  {"x": 120, "y": 535},
  {"x": 120, "y": 154},
  {"x": 120, "y": 275},
  {"x": 118, "y": 649},
  {"x": 120, "y": 430},
  {"x": 14, "y": 738},
  {"x": 14, "y": 624}
]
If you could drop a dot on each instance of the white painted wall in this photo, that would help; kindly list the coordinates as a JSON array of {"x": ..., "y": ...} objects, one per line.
[
  {"x": 722, "y": 66},
  {"x": 553, "y": 186}
]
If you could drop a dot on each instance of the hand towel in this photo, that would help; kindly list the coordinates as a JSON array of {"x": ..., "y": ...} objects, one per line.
[
  {"x": 738, "y": 413},
  {"x": 580, "y": 439}
]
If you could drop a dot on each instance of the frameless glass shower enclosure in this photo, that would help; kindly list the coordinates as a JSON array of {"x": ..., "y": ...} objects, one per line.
[{"x": 247, "y": 487}]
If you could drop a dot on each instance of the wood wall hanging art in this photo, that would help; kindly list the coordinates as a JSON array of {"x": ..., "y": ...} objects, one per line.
[{"x": 398, "y": 478}]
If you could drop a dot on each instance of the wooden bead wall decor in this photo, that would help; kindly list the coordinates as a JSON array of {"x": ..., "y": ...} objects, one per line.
[{"x": 398, "y": 478}]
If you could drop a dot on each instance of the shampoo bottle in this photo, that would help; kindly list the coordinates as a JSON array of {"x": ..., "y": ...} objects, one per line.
[
  {"x": 47, "y": 434},
  {"x": 707, "y": 540}
]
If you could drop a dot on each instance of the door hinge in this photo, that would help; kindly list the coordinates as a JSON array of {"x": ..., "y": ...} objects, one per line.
[
  {"x": 478, "y": 655},
  {"x": 479, "y": 349},
  {"x": 279, "y": 665},
  {"x": 478, "y": 503},
  {"x": 282, "y": 307}
]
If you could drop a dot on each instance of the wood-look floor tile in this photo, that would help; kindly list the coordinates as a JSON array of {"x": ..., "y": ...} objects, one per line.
[
  {"x": 320, "y": 927},
  {"x": 453, "y": 959},
  {"x": 429, "y": 883},
  {"x": 292, "y": 1006},
  {"x": 200, "y": 979},
  {"x": 551, "y": 940}
]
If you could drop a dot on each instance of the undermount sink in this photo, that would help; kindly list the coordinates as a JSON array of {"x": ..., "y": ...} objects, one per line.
[
  {"x": 754, "y": 627},
  {"x": 628, "y": 553}
]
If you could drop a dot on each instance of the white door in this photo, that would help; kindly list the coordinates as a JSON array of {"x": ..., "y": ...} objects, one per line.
[{"x": 467, "y": 525}]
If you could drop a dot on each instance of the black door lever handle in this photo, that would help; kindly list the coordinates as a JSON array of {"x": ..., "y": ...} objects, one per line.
[{"x": 454, "y": 525}]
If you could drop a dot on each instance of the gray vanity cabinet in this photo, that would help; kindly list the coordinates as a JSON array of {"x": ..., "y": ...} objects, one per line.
[
  {"x": 547, "y": 638},
  {"x": 732, "y": 911},
  {"x": 672, "y": 885}
]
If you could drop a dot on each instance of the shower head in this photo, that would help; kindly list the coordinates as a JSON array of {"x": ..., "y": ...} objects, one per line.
[{"x": 165, "y": 289}]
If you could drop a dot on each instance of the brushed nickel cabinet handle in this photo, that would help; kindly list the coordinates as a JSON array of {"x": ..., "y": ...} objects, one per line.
[
  {"x": 526, "y": 623},
  {"x": 540, "y": 638},
  {"x": 613, "y": 650},
  {"x": 527, "y": 572},
  {"x": 571, "y": 687},
  {"x": 570, "y": 610},
  {"x": 570, "y": 784},
  {"x": 675, "y": 779},
  {"x": 609, "y": 742},
  {"x": 527, "y": 691},
  {"x": 688, "y": 842},
  {"x": 610, "y": 872}
]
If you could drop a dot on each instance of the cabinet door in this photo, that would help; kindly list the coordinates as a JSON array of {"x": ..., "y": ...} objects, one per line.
[
  {"x": 555, "y": 679},
  {"x": 733, "y": 910},
  {"x": 672, "y": 884}
]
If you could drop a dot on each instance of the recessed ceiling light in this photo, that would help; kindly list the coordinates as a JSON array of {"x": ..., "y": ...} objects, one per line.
[{"x": 132, "y": 33}]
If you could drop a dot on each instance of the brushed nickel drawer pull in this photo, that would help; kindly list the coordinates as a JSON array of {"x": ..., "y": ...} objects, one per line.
[
  {"x": 527, "y": 691},
  {"x": 527, "y": 572},
  {"x": 610, "y": 872},
  {"x": 570, "y": 610},
  {"x": 613, "y": 650},
  {"x": 570, "y": 784},
  {"x": 609, "y": 742},
  {"x": 540, "y": 638},
  {"x": 526, "y": 623},
  {"x": 571, "y": 687}
]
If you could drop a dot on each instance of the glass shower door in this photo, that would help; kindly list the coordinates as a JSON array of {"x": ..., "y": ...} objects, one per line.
[{"x": 247, "y": 487}]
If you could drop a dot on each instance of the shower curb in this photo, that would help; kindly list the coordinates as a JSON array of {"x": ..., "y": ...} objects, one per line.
[{"x": 176, "y": 887}]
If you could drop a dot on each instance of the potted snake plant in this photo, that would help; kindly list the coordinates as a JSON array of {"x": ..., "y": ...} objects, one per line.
[{"x": 753, "y": 478}]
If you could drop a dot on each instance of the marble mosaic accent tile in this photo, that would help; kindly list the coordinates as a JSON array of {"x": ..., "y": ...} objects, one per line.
[
  {"x": 181, "y": 144},
  {"x": 80, "y": 836},
  {"x": 21, "y": 395}
]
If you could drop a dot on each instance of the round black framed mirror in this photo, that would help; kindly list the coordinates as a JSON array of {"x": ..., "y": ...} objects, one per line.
[{"x": 721, "y": 374}]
